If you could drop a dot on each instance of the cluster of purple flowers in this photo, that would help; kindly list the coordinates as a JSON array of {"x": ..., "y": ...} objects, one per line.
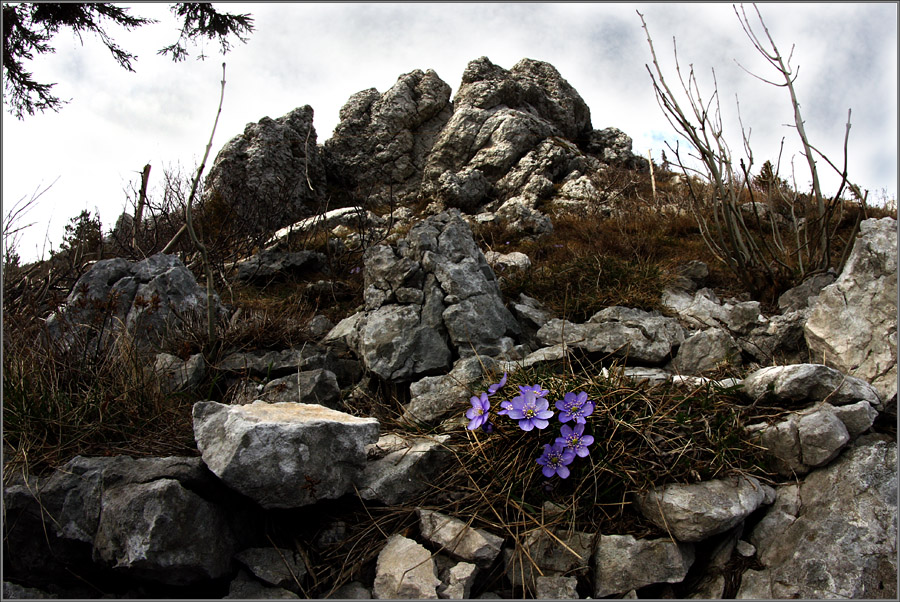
[{"x": 531, "y": 410}]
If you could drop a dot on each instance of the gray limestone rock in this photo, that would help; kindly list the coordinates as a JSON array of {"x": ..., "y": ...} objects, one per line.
[
  {"x": 800, "y": 296},
  {"x": 176, "y": 374},
  {"x": 697, "y": 511},
  {"x": 853, "y": 324},
  {"x": 433, "y": 397},
  {"x": 458, "y": 539},
  {"x": 638, "y": 335},
  {"x": 499, "y": 116},
  {"x": 382, "y": 141},
  {"x": 706, "y": 350},
  {"x": 271, "y": 174},
  {"x": 556, "y": 587},
  {"x": 267, "y": 265},
  {"x": 613, "y": 146},
  {"x": 837, "y": 534},
  {"x": 805, "y": 383},
  {"x": 458, "y": 583},
  {"x": 623, "y": 563},
  {"x": 277, "y": 567},
  {"x": 163, "y": 532},
  {"x": 283, "y": 455},
  {"x": 245, "y": 587},
  {"x": 405, "y": 570},
  {"x": 308, "y": 386},
  {"x": 550, "y": 556},
  {"x": 144, "y": 300},
  {"x": 404, "y": 472}
]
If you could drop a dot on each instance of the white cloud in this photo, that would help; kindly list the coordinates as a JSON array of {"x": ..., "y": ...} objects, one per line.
[{"x": 319, "y": 54}]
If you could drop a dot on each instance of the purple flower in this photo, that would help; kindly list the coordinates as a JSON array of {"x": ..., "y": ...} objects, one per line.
[
  {"x": 575, "y": 439},
  {"x": 538, "y": 391},
  {"x": 487, "y": 427},
  {"x": 478, "y": 414},
  {"x": 530, "y": 410},
  {"x": 574, "y": 407},
  {"x": 507, "y": 406},
  {"x": 494, "y": 388},
  {"x": 555, "y": 460}
]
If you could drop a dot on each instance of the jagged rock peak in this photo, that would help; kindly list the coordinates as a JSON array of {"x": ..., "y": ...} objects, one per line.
[
  {"x": 532, "y": 86},
  {"x": 382, "y": 140}
]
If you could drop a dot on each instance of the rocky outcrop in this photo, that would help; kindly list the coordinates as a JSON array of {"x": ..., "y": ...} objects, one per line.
[
  {"x": 834, "y": 535},
  {"x": 498, "y": 117},
  {"x": 853, "y": 324},
  {"x": 269, "y": 176},
  {"x": 381, "y": 143},
  {"x": 430, "y": 297},
  {"x": 144, "y": 300}
]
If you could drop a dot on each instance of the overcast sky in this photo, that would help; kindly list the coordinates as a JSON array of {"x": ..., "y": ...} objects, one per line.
[{"x": 320, "y": 54}]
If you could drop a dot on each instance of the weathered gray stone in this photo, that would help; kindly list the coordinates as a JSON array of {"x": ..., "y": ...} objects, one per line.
[
  {"x": 498, "y": 117},
  {"x": 800, "y": 296},
  {"x": 508, "y": 262},
  {"x": 270, "y": 265},
  {"x": 623, "y": 332},
  {"x": 163, "y": 532},
  {"x": 351, "y": 591},
  {"x": 458, "y": 539},
  {"x": 308, "y": 386},
  {"x": 857, "y": 417},
  {"x": 398, "y": 343},
  {"x": 432, "y": 291},
  {"x": 822, "y": 435},
  {"x": 703, "y": 310},
  {"x": 613, "y": 146},
  {"x": 697, "y": 511},
  {"x": 433, "y": 397},
  {"x": 283, "y": 455},
  {"x": 145, "y": 300},
  {"x": 405, "y": 571},
  {"x": 13, "y": 591},
  {"x": 623, "y": 563},
  {"x": 806, "y": 383},
  {"x": 277, "y": 567},
  {"x": 549, "y": 555},
  {"x": 706, "y": 350},
  {"x": 458, "y": 583},
  {"x": 840, "y": 540},
  {"x": 382, "y": 140},
  {"x": 176, "y": 374},
  {"x": 853, "y": 324},
  {"x": 556, "y": 587},
  {"x": 287, "y": 362},
  {"x": 779, "y": 340},
  {"x": 245, "y": 587},
  {"x": 405, "y": 472},
  {"x": 271, "y": 174}
]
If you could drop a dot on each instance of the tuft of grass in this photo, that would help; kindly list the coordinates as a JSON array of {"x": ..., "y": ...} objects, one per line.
[
  {"x": 57, "y": 405},
  {"x": 578, "y": 287}
]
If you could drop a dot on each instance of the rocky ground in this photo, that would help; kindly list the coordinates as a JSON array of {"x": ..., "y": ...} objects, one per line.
[{"x": 743, "y": 443}]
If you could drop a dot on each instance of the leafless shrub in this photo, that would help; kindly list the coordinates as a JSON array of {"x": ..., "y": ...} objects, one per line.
[{"x": 760, "y": 254}]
